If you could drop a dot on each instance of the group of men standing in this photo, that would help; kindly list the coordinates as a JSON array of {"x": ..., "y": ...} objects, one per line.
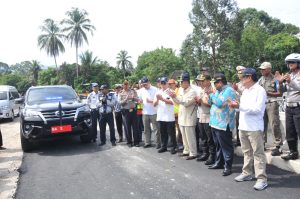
[{"x": 213, "y": 111}]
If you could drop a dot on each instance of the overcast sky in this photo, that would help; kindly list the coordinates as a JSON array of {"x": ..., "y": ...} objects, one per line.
[{"x": 132, "y": 25}]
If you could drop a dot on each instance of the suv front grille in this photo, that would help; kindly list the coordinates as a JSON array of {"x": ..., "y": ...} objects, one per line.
[{"x": 54, "y": 115}]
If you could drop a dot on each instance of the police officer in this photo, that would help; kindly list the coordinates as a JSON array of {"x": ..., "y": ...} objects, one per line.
[
  {"x": 107, "y": 102},
  {"x": 92, "y": 101},
  {"x": 292, "y": 112},
  {"x": 118, "y": 113},
  {"x": 128, "y": 99},
  {"x": 270, "y": 84}
]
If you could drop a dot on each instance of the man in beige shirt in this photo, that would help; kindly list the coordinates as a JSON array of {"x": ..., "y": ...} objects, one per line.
[{"x": 187, "y": 117}]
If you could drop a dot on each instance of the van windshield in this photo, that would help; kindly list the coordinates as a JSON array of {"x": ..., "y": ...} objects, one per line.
[
  {"x": 52, "y": 94},
  {"x": 3, "y": 95}
]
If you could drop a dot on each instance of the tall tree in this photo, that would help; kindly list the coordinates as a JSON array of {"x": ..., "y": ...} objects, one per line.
[
  {"x": 76, "y": 26},
  {"x": 124, "y": 63},
  {"x": 212, "y": 21},
  {"x": 35, "y": 68},
  {"x": 87, "y": 63},
  {"x": 51, "y": 41}
]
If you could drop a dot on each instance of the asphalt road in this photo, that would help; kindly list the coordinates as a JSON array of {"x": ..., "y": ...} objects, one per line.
[{"x": 68, "y": 169}]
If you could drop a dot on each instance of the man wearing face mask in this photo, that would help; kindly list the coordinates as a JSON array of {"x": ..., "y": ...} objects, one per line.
[{"x": 292, "y": 112}]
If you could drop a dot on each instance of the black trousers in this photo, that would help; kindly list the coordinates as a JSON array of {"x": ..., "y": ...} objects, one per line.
[
  {"x": 119, "y": 124},
  {"x": 167, "y": 129},
  {"x": 95, "y": 117},
  {"x": 140, "y": 126},
  {"x": 208, "y": 145},
  {"x": 198, "y": 141},
  {"x": 292, "y": 124},
  {"x": 107, "y": 118},
  {"x": 224, "y": 147},
  {"x": 131, "y": 126},
  {"x": 1, "y": 142}
]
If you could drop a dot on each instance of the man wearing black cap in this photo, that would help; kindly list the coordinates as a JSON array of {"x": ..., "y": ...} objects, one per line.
[
  {"x": 107, "y": 102},
  {"x": 187, "y": 117},
  {"x": 92, "y": 101},
  {"x": 251, "y": 127},
  {"x": 222, "y": 122},
  {"x": 165, "y": 116}
]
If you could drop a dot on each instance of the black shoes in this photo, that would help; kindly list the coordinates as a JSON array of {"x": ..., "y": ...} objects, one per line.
[
  {"x": 191, "y": 157},
  {"x": 158, "y": 146},
  {"x": 147, "y": 146},
  {"x": 203, "y": 157},
  {"x": 226, "y": 172},
  {"x": 291, "y": 156},
  {"x": 276, "y": 152},
  {"x": 2, "y": 148},
  {"x": 183, "y": 155},
  {"x": 102, "y": 143},
  {"x": 210, "y": 160},
  {"x": 113, "y": 144},
  {"x": 137, "y": 145},
  {"x": 216, "y": 166},
  {"x": 173, "y": 151},
  {"x": 161, "y": 150},
  {"x": 120, "y": 140}
]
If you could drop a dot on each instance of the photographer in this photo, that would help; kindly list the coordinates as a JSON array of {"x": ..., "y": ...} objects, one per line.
[{"x": 106, "y": 103}]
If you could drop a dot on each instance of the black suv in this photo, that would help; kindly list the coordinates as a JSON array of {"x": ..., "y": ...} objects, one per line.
[{"x": 53, "y": 111}]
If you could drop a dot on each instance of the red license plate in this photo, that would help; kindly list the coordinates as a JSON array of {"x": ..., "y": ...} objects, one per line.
[{"x": 61, "y": 129}]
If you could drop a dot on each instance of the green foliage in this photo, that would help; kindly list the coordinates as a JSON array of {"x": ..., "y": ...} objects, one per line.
[
  {"x": 156, "y": 63},
  {"x": 278, "y": 46},
  {"x": 4, "y": 68},
  {"x": 48, "y": 77}
]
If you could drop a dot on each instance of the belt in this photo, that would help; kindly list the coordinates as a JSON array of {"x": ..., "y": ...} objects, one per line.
[
  {"x": 105, "y": 113},
  {"x": 293, "y": 104},
  {"x": 270, "y": 101},
  {"x": 129, "y": 110}
]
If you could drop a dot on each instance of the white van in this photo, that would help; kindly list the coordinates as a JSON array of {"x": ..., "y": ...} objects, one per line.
[{"x": 10, "y": 102}]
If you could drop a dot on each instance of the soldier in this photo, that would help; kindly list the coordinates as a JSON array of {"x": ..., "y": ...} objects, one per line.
[
  {"x": 128, "y": 99},
  {"x": 92, "y": 101},
  {"x": 292, "y": 112},
  {"x": 270, "y": 84},
  {"x": 107, "y": 102}
]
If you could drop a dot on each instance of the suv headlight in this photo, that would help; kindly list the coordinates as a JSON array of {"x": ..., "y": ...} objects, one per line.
[
  {"x": 85, "y": 108},
  {"x": 31, "y": 115}
]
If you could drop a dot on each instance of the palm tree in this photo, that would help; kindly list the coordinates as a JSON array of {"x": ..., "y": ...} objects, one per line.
[
  {"x": 34, "y": 69},
  {"x": 51, "y": 40},
  {"x": 87, "y": 63},
  {"x": 123, "y": 62},
  {"x": 76, "y": 25}
]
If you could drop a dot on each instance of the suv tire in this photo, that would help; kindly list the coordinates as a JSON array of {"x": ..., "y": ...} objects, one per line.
[
  {"x": 87, "y": 138},
  {"x": 25, "y": 143}
]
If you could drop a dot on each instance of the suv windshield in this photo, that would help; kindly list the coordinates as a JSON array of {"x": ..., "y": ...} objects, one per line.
[
  {"x": 3, "y": 95},
  {"x": 48, "y": 94}
]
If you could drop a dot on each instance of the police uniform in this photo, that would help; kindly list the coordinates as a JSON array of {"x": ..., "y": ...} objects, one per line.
[
  {"x": 106, "y": 105},
  {"x": 92, "y": 101},
  {"x": 270, "y": 84},
  {"x": 128, "y": 99}
]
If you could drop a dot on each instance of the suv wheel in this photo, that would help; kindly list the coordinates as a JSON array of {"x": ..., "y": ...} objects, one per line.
[
  {"x": 25, "y": 143},
  {"x": 87, "y": 138}
]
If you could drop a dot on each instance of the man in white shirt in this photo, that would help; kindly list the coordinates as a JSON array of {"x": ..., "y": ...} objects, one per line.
[
  {"x": 165, "y": 116},
  {"x": 93, "y": 101},
  {"x": 146, "y": 96},
  {"x": 251, "y": 127}
]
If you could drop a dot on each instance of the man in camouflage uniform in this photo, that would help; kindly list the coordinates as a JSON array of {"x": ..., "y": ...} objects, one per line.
[{"x": 270, "y": 84}]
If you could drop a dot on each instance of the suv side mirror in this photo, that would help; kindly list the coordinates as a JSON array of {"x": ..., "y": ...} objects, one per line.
[{"x": 19, "y": 100}]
